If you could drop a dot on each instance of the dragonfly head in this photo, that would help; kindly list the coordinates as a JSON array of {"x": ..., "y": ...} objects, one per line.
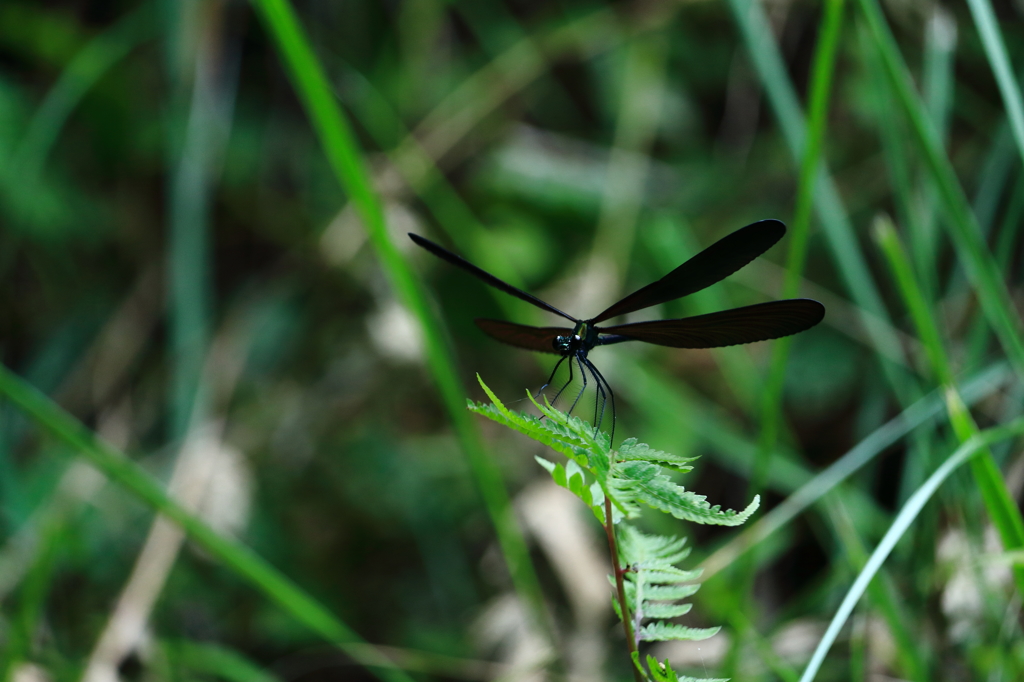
[
  {"x": 582, "y": 339},
  {"x": 563, "y": 344}
]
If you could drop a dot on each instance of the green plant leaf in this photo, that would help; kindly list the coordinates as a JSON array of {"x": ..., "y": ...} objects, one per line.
[
  {"x": 662, "y": 611},
  {"x": 653, "y": 582},
  {"x": 667, "y": 632},
  {"x": 649, "y": 484},
  {"x": 621, "y": 480},
  {"x": 678, "y": 591},
  {"x": 632, "y": 474},
  {"x": 631, "y": 450}
]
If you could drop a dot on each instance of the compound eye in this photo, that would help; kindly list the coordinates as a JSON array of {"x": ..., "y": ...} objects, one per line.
[{"x": 561, "y": 343}]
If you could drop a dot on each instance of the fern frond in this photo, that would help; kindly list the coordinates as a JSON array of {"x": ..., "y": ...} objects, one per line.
[
  {"x": 652, "y": 551},
  {"x": 660, "y": 593},
  {"x": 654, "y": 584},
  {"x": 662, "y": 610},
  {"x": 671, "y": 592},
  {"x": 667, "y": 632},
  {"x": 625, "y": 479},
  {"x": 648, "y": 483},
  {"x": 582, "y": 428},
  {"x": 572, "y": 477},
  {"x": 670, "y": 575},
  {"x": 630, "y": 450},
  {"x": 632, "y": 475},
  {"x": 558, "y": 436}
]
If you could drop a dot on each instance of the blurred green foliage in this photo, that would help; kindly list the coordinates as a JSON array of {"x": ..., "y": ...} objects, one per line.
[{"x": 183, "y": 272}]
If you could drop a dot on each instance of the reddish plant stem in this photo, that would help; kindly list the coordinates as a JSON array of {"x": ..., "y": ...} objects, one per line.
[{"x": 620, "y": 587}]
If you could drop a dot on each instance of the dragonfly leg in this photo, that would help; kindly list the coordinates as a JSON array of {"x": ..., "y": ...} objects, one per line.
[
  {"x": 611, "y": 394},
  {"x": 552, "y": 376},
  {"x": 599, "y": 400},
  {"x": 548, "y": 382},
  {"x": 583, "y": 374},
  {"x": 566, "y": 384}
]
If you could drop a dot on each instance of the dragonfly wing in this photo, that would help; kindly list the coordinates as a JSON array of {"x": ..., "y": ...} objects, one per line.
[
  {"x": 540, "y": 339},
  {"x": 760, "y": 322},
  {"x": 711, "y": 265},
  {"x": 460, "y": 262}
]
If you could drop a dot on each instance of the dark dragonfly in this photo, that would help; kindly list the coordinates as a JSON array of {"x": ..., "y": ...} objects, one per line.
[{"x": 759, "y": 322}]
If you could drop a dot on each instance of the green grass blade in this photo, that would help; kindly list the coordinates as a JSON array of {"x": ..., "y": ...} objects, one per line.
[
  {"x": 993, "y": 181},
  {"x": 429, "y": 184},
  {"x": 345, "y": 158},
  {"x": 913, "y": 297},
  {"x": 940, "y": 47},
  {"x": 939, "y": 51},
  {"x": 767, "y": 59},
  {"x": 963, "y": 226},
  {"x": 27, "y": 615},
  {"x": 215, "y": 660},
  {"x": 740, "y": 621},
  {"x": 771, "y": 397},
  {"x": 898, "y": 165},
  {"x": 235, "y": 556},
  {"x": 821, "y": 86},
  {"x": 899, "y": 527},
  {"x": 189, "y": 271},
  {"x": 836, "y": 227},
  {"x": 81, "y": 74},
  {"x": 883, "y": 595},
  {"x": 511, "y": 71},
  {"x": 999, "y": 503},
  {"x": 980, "y": 386},
  {"x": 771, "y": 69},
  {"x": 995, "y": 50},
  {"x": 1006, "y": 238},
  {"x": 641, "y": 95}
]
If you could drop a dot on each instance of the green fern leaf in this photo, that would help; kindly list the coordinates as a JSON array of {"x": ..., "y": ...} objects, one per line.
[
  {"x": 572, "y": 477},
  {"x": 664, "y": 610},
  {"x": 597, "y": 443},
  {"x": 651, "y": 551},
  {"x": 666, "y": 632},
  {"x": 631, "y": 450},
  {"x": 672, "y": 592},
  {"x": 567, "y": 435},
  {"x": 552, "y": 435},
  {"x": 623, "y": 494},
  {"x": 635, "y": 477},
  {"x": 625, "y": 479},
  {"x": 649, "y": 484},
  {"x": 661, "y": 593},
  {"x": 653, "y": 583},
  {"x": 668, "y": 576}
]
